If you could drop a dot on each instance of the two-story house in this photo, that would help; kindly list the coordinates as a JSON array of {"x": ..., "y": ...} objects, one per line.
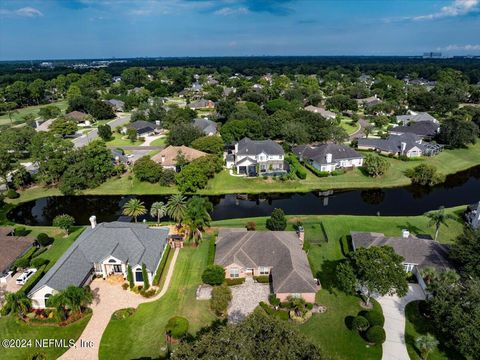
[{"x": 257, "y": 157}]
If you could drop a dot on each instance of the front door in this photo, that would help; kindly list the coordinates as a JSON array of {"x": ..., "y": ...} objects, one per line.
[
  {"x": 117, "y": 268},
  {"x": 249, "y": 272}
]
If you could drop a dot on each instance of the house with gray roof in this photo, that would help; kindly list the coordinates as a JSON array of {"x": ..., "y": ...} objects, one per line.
[
  {"x": 328, "y": 157},
  {"x": 413, "y": 116},
  {"x": 472, "y": 216},
  {"x": 409, "y": 145},
  {"x": 278, "y": 254},
  {"x": 418, "y": 253},
  {"x": 103, "y": 250},
  {"x": 424, "y": 129},
  {"x": 321, "y": 111},
  {"x": 208, "y": 127},
  {"x": 257, "y": 157},
  {"x": 142, "y": 127},
  {"x": 117, "y": 105},
  {"x": 369, "y": 101},
  {"x": 201, "y": 104}
]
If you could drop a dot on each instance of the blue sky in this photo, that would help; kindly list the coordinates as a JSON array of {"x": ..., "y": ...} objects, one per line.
[{"x": 61, "y": 29}]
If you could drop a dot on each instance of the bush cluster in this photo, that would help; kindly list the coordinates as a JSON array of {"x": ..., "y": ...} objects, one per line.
[
  {"x": 296, "y": 167},
  {"x": 376, "y": 335},
  {"x": 234, "y": 281},
  {"x": 44, "y": 240},
  {"x": 221, "y": 297},
  {"x": 263, "y": 279},
  {"x": 375, "y": 318},
  {"x": 213, "y": 275}
]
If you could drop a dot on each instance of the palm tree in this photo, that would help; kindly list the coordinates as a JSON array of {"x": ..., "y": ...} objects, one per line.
[
  {"x": 437, "y": 218},
  {"x": 135, "y": 208},
  {"x": 158, "y": 210},
  {"x": 197, "y": 216},
  {"x": 17, "y": 303},
  {"x": 425, "y": 343},
  {"x": 73, "y": 298},
  {"x": 176, "y": 207}
]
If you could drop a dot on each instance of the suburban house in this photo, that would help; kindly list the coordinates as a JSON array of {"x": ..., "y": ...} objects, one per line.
[
  {"x": 143, "y": 128},
  {"x": 197, "y": 87},
  {"x": 423, "y": 129},
  {"x": 117, "y": 105},
  {"x": 103, "y": 250},
  {"x": 168, "y": 156},
  {"x": 276, "y": 253},
  {"x": 80, "y": 117},
  {"x": 409, "y": 145},
  {"x": 201, "y": 104},
  {"x": 418, "y": 253},
  {"x": 12, "y": 247},
  {"x": 257, "y": 157},
  {"x": 208, "y": 127},
  {"x": 413, "y": 116},
  {"x": 472, "y": 215},
  {"x": 323, "y": 112},
  {"x": 369, "y": 101},
  {"x": 228, "y": 90},
  {"x": 328, "y": 157},
  {"x": 44, "y": 126}
]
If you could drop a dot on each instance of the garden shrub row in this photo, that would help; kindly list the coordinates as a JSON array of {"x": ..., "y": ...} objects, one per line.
[
  {"x": 122, "y": 314},
  {"x": 323, "y": 173},
  {"x": 264, "y": 279},
  {"x": 211, "y": 252},
  {"x": 235, "y": 281},
  {"x": 296, "y": 167},
  {"x": 281, "y": 314},
  {"x": 161, "y": 267}
]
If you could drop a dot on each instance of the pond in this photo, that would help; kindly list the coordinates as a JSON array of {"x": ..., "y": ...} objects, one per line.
[{"x": 458, "y": 189}]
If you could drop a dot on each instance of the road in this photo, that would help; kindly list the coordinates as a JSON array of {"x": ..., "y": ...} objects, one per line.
[
  {"x": 360, "y": 133},
  {"x": 92, "y": 135}
]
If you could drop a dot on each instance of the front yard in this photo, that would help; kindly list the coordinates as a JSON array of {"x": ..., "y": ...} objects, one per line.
[{"x": 122, "y": 140}]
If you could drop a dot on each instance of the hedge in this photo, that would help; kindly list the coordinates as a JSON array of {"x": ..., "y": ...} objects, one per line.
[
  {"x": 375, "y": 318},
  {"x": 376, "y": 335},
  {"x": 234, "y": 281},
  {"x": 264, "y": 279},
  {"x": 296, "y": 167},
  {"x": 211, "y": 252},
  {"x": 34, "y": 279},
  {"x": 161, "y": 267},
  {"x": 316, "y": 171}
]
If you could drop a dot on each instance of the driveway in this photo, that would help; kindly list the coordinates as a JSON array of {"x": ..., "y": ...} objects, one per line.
[
  {"x": 393, "y": 307},
  {"x": 109, "y": 298},
  {"x": 9, "y": 286},
  {"x": 245, "y": 298},
  {"x": 93, "y": 134}
]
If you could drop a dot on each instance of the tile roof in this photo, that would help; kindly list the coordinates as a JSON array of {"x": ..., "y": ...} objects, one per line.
[
  {"x": 132, "y": 243},
  {"x": 247, "y": 146},
  {"x": 280, "y": 250},
  {"x": 318, "y": 153}
]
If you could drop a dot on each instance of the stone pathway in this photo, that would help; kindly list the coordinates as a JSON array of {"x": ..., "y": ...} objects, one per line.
[
  {"x": 245, "y": 298},
  {"x": 109, "y": 298},
  {"x": 394, "y": 347}
]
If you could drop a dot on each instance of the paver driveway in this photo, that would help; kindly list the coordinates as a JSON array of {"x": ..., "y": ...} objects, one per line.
[
  {"x": 109, "y": 298},
  {"x": 245, "y": 299},
  {"x": 393, "y": 307}
]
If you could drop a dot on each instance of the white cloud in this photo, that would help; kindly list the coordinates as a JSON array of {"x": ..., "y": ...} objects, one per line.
[
  {"x": 231, "y": 11},
  {"x": 141, "y": 12},
  {"x": 468, "y": 47},
  {"x": 457, "y": 8},
  {"x": 25, "y": 12}
]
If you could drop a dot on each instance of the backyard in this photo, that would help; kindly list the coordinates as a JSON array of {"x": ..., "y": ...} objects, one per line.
[{"x": 17, "y": 118}]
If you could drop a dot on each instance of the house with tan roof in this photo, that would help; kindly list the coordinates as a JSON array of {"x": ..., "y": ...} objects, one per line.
[
  {"x": 80, "y": 117},
  {"x": 12, "y": 247},
  {"x": 278, "y": 254},
  {"x": 168, "y": 156}
]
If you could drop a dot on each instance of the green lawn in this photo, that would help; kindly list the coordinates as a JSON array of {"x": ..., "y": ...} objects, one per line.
[
  {"x": 12, "y": 328},
  {"x": 17, "y": 118},
  {"x": 122, "y": 140},
  {"x": 346, "y": 123},
  {"x": 159, "y": 142},
  {"x": 141, "y": 335},
  {"x": 417, "y": 325}
]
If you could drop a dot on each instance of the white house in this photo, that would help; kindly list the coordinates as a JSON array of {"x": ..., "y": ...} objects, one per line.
[{"x": 329, "y": 157}]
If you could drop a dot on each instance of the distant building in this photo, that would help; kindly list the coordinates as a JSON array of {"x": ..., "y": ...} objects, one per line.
[
  {"x": 370, "y": 101},
  {"x": 432, "y": 55},
  {"x": 208, "y": 127},
  {"x": 322, "y": 111},
  {"x": 143, "y": 128},
  {"x": 117, "y": 105},
  {"x": 424, "y": 129},
  {"x": 80, "y": 117},
  {"x": 201, "y": 104},
  {"x": 472, "y": 215},
  {"x": 413, "y": 116}
]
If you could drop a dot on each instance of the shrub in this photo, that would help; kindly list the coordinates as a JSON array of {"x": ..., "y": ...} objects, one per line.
[
  {"x": 44, "y": 240},
  {"x": 21, "y": 231},
  {"x": 177, "y": 327},
  {"x": 375, "y": 318},
  {"x": 221, "y": 296},
  {"x": 125, "y": 286},
  {"x": 22, "y": 263},
  {"x": 359, "y": 323},
  {"x": 161, "y": 267},
  {"x": 148, "y": 293},
  {"x": 316, "y": 171},
  {"x": 251, "y": 226},
  {"x": 123, "y": 314},
  {"x": 146, "y": 283},
  {"x": 264, "y": 279},
  {"x": 64, "y": 222},
  {"x": 213, "y": 275},
  {"x": 12, "y": 194},
  {"x": 375, "y": 165},
  {"x": 37, "y": 262},
  {"x": 266, "y": 308},
  {"x": 277, "y": 221},
  {"x": 376, "y": 335},
  {"x": 309, "y": 306},
  {"x": 273, "y": 300},
  {"x": 130, "y": 277},
  {"x": 211, "y": 252},
  {"x": 235, "y": 281},
  {"x": 424, "y": 174}
]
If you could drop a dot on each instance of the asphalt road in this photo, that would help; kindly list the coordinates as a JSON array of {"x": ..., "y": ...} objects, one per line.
[{"x": 93, "y": 134}]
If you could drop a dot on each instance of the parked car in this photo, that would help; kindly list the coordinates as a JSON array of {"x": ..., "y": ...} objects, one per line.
[{"x": 22, "y": 279}]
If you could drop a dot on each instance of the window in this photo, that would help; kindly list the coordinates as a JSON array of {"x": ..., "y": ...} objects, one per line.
[
  {"x": 234, "y": 273},
  {"x": 264, "y": 270},
  {"x": 296, "y": 295},
  {"x": 138, "y": 275},
  {"x": 98, "y": 268},
  {"x": 408, "y": 267},
  {"x": 46, "y": 298},
  {"x": 112, "y": 261}
]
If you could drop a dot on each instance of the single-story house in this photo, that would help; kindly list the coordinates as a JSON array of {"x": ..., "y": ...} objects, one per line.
[
  {"x": 328, "y": 157},
  {"x": 168, "y": 156},
  {"x": 369, "y": 101},
  {"x": 418, "y": 253},
  {"x": 424, "y": 129},
  {"x": 257, "y": 157},
  {"x": 409, "y": 145},
  {"x": 44, "y": 126},
  {"x": 276, "y": 253},
  {"x": 208, "y": 127},
  {"x": 118, "y": 157},
  {"x": 323, "y": 112},
  {"x": 413, "y": 116},
  {"x": 80, "y": 117},
  {"x": 117, "y": 105},
  {"x": 143, "y": 128},
  {"x": 472, "y": 215},
  {"x": 103, "y": 250},
  {"x": 12, "y": 247},
  {"x": 228, "y": 90},
  {"x": 201, "y": 104}
]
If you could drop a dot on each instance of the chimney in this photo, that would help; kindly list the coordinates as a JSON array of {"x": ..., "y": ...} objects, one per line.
[
  {"x": 163, "y": 159},
  {"x": 301, "y": 234},
  {"x": 157, "y": 122},
  {"x": 403, "y": 146},
  {"x": 328, "y": 157},
  {"x": 93, "y": 221},
  {"x": 405, "y": 234},
  {"x": 37, "y": 124}
]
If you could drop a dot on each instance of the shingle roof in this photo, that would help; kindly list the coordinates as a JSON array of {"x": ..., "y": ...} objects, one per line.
[
  {"x": 142, "y": 126},
  {"x": 323, "y": 112},
  {"x": 421, "y": 128},
  {"x": 255, "y": 147},
  {"x": 168, "y": 156},
  {"x": 421, "y": 252},
  {"x": 12, "y": 247},
  {"x": 416, "y": 117},
  {"x": 133, "y": 243},
  {"x": 280, "y": 250},
  {"x": 78, "y": 116},
  {"x": 318, "y": 153},
  {"x": 205, "y": 125},
  {"x": 392, "y": 144}
]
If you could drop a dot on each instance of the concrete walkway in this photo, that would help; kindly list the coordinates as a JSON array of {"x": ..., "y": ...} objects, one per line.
[
  {"x": 393, "y": 307},
  {"x": 109, "y": 298}
]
